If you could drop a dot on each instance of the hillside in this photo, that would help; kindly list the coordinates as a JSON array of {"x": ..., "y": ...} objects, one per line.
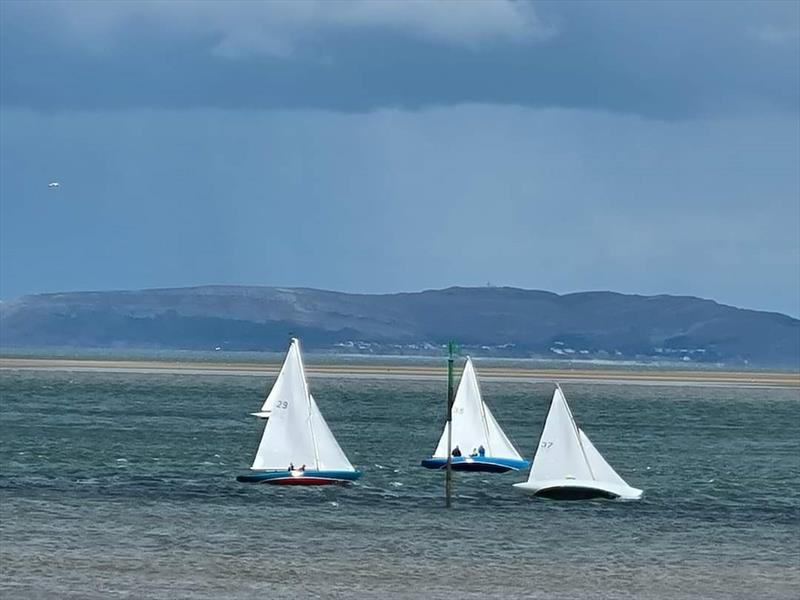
[{"x": 485, "y": 321}]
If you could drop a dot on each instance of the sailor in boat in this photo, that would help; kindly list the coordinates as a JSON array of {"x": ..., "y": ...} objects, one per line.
[
  {"x": 456, "y": 451},
  {"x": 481, "y": 450},
  {"x": 291, "y": 467},
  {"x": 302, "y": 467},
  {"x": 474, "y": 453}
]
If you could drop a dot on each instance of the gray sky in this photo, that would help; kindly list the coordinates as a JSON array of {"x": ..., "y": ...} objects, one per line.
[{"x": 394, "y": 146}]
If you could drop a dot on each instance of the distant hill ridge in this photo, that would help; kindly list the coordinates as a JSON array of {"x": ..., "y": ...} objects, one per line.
[{"x": 497, "y": 321}]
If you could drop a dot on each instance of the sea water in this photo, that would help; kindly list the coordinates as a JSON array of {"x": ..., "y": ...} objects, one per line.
[{"x": 123, "y": 485}]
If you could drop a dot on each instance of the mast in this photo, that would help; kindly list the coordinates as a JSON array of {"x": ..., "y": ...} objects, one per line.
[
  {"x": 483, "y": 413},
  {"x": 308, "y": 402},
  {"x": 448, "y": 474},
  {"x": 578, "y": 434}
]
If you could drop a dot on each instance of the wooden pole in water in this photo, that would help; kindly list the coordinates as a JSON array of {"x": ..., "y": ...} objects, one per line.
[{"x": 448, "y": 472}]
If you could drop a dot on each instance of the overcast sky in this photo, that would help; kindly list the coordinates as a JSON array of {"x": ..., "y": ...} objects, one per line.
[{"x": 369, "y": 146}]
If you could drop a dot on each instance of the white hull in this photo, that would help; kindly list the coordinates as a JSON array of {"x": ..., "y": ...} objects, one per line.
[{"x": 579, "y": 489}]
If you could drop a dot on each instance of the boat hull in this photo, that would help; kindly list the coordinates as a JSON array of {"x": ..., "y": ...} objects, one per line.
[
  {"x": 482, "y": 464},
  {"x": 307, "y": 477},
  {"x": 570, "y": 489}
]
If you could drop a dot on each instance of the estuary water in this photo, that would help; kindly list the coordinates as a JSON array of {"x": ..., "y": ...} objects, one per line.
[{"x": 122, "y": 485}]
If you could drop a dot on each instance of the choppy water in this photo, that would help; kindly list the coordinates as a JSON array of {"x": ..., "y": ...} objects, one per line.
[{"x": 122, "y": 485}]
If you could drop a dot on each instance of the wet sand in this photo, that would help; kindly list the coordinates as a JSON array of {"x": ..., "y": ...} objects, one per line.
[{"x": 644, "y": 376}]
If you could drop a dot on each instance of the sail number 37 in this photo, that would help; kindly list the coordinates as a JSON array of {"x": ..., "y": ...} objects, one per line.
[{"x": 546, "y": 445}]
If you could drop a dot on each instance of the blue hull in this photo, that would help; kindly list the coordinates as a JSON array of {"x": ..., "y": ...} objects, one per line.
[
  {"x": 306, "y": 477},
  {"x": 483, "y": 464}
]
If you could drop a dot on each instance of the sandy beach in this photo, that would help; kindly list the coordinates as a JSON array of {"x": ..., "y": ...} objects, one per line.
[{"x": 756, "y": 379}]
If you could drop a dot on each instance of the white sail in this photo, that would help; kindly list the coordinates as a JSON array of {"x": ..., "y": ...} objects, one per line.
[
  {"x": 560, "y": 454},
  {"x": 600, "y": 468},
  {"x": 473, "y": 422},
  {"x": 330, "y": 455},
  {"x": 296, "y": 432},
  {"x": 277, "y": 390},
  {"x": 498, "y": 443}
]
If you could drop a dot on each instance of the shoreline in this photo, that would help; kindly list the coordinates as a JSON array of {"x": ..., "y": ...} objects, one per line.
[{"x": 748, "y": 379}]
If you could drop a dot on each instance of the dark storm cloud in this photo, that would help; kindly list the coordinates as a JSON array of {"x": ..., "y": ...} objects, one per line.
[{"x": 662, "y": 60}]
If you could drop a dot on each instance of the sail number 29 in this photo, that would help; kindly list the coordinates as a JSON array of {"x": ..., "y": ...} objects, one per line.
[{"x": 281, "y": 404}]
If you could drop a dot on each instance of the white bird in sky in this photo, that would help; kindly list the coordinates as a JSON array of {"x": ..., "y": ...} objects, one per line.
[{"x": 53, "y": 184}]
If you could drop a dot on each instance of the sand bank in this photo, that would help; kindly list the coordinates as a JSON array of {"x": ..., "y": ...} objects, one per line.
[{"x": 759, "y": 379}]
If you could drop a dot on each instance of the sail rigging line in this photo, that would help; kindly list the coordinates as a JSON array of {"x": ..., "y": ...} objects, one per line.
[
  {"x": 313, "y": 435},
  {"x": 577, "y": 433}
]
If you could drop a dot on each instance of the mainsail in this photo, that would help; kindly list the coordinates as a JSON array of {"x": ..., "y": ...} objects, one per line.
[
  {"x": 560, "y": 454},
  {"x": 473, "y": 422},
  {"x": 296, "y": 432}
]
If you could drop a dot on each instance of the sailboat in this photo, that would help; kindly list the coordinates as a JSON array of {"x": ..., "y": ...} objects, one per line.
[
  {"x": 297, "y": 447},
  {"x": 483, "y": 444},
  {"x": 567, "y": 466}
]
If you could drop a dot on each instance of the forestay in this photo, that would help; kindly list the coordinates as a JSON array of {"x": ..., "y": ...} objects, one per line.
[{"x": 473, "y": 422}]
